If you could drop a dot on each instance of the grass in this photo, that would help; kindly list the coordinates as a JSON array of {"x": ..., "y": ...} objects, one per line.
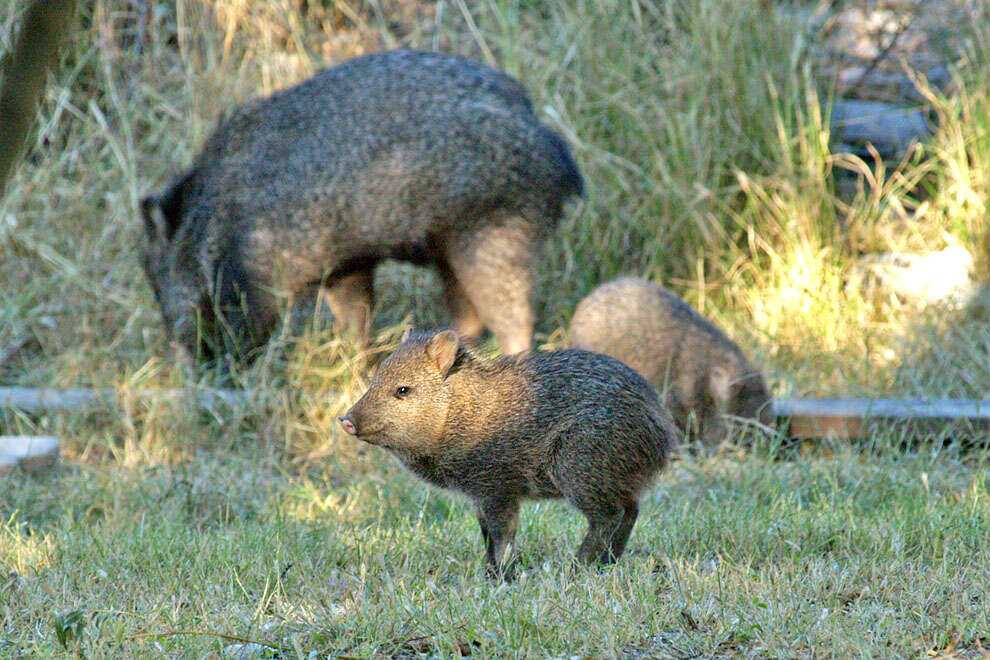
[
  {"x": 701, "y": 132},
  {"x": 742, "y": 555}
]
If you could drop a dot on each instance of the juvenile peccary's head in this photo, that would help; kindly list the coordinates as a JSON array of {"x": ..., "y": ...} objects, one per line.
[
  {"x": 169, "y": 260},
  {"x": 406, "y": 405}
]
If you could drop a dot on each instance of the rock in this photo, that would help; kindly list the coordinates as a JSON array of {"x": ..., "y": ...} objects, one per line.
[
  {"x": 247, "y": 651},
  {"x": 890, "y": 128},
  {"x": 859, "y": 82},
  {"x": 35, "y": 454},
  {"x": 847, "y": 185},
  {"x": 861, "y": 32},
  {"x": 936, "y": 278}
]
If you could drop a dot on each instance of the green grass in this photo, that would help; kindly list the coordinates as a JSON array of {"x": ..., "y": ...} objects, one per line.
[
  {"x": 701, "y": 132},
  {"x": 741, "y": 555}
]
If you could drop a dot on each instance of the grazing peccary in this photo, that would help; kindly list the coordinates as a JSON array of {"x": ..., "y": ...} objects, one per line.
[
  {"x": 568, "y": 424},
  {"x": 700, "y": 372},
  {"x": 418, "y": 156}
]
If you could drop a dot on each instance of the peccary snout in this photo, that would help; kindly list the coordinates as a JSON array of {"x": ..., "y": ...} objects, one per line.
[
  {"x": 406, "y": 404},
  {"x": 348, "y": 424}
]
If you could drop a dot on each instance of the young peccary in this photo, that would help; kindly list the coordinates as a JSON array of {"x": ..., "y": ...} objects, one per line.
[
  {"x": 568, "y": 424},
  {"x": 418, "y": 156},
  {"x": 700, "y": 372}
]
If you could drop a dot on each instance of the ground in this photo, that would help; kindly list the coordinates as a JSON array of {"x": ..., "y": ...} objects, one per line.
[{"x": 702, "y": 131}]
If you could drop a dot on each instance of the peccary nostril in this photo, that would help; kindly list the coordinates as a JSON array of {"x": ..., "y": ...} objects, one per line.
[{"x": 348, "y": 425}]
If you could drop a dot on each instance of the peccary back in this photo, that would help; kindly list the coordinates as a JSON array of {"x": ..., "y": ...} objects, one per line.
[
  {"x": 700, "y": 372},
  {"x": 410, "y": 155}
]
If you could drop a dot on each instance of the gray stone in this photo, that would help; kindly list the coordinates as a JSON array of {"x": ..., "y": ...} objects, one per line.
[
  {"x": 35, "y": 454},
  {"x": 890, "y": 128},
  {"x": 247, "y": 651},
  {"x": 936, "y": 278},
  {"x": 877, "y": 85}
]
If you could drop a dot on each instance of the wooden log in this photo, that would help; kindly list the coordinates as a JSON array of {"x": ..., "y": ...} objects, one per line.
[
  {"x": 808, "y": 418},
  {"x": 851, "y": 418},
  {"x": 35, "y": 400}
]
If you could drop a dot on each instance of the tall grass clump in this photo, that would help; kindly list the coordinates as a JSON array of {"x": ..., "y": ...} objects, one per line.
[
  {"x": 667, "y": 103},
  {"x": 701, "y": 127}
]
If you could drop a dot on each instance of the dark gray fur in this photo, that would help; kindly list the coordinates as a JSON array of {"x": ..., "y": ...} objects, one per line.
[
  {"x": 566, "y": 424},
  {"x": 418, "y": 156},
  {"x": 702, "y": 374}
]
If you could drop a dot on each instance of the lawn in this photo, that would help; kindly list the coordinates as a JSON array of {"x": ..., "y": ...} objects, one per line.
[{"x": 841, "y": 552}]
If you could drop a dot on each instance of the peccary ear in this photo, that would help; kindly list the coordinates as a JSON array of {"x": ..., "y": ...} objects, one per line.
[
  {"x": 158, "y": 225},
  {"x": 163, "y": 214},
  {"x": 154, "y": 220},
  {"x": 407, "y": 333},
  {"x": 442, "y": 349}
]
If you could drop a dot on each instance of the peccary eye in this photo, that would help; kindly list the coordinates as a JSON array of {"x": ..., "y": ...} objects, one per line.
[{"x": 401, "y": 392}]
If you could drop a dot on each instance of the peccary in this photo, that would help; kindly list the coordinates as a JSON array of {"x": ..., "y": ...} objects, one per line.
[
  {"x": 566, "y": 424},
  {"x": 418, "y": 156},
  {"x": 701, "y": 374}
]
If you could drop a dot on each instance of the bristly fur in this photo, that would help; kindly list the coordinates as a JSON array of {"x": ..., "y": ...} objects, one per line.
[
  {"x": 699, "y": 371},
  {"x": 565, "y": 424},
  {"x": 424, "y": 157}
]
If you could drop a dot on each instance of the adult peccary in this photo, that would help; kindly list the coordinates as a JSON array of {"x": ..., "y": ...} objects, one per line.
[
  {"x": 568, "y": 424},
  {"x": 418, "y": 156},
  {"x": 701, "y": 374}
]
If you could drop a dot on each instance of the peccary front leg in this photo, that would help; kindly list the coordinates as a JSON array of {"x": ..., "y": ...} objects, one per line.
[
  {"x": 494, "y": 267},
  {"x": 713, "y": 427},
  {"x": 499, "y": 520},
  {"x": 351, "y": 299},
  {"x": 464, "y": 316}
]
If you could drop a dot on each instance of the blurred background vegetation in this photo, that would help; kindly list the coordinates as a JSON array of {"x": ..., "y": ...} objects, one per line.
[{"x": 702, "y": 127}]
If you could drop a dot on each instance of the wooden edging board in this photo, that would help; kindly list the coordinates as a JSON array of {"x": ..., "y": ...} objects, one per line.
[
  {"x": 37, "y": 400},
  {"x": 808, "y": 418},
  {"x": 850, "y": 418}
]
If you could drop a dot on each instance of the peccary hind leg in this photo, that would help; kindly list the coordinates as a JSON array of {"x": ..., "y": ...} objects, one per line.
[
  {"x": 351, "y": 298},
  {"x": 617, "y": 545},
  {"x": 498, "y": 521},
  {"x": 493, "y": 266},
  {"x": 604, "y": 522},
  {"x": 714, "y": 427},
  {"x": 611, "y": 509},
  {"x": 464, "y": 316}
]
